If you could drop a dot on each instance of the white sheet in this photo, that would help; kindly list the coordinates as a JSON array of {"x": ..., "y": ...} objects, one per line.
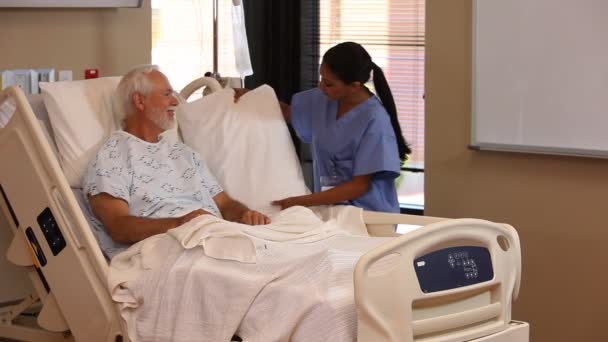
[{"x": 300, "y": 286}]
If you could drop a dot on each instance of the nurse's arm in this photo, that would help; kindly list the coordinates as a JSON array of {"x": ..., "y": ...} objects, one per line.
[
  {"x": 125, "y": 228},
  {"x": 350, "y": 190},
  {"x": 286, "y": 111},
  {"x": 285, "y": 108}
]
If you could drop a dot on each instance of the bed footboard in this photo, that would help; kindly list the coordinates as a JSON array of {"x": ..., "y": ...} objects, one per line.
[{"x": 452, "y": 280}]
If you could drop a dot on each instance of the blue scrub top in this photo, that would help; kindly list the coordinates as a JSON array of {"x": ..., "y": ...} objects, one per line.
[{"x": 361, "y": 142}]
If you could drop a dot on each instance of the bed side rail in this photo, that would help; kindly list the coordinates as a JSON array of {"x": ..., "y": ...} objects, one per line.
[
  {"x": 51, "y": 236},
  {"x": 211, "y": 83},
  {"x": 385, "y": 224},
  {"x": 452, "y": 280}
]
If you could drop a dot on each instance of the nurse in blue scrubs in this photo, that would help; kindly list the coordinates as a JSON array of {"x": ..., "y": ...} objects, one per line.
[{"x": 356, "y": 139}]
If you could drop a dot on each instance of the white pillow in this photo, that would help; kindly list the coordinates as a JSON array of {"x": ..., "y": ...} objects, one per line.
[
  {"x": 82, "y": 115},
  {"x": 246, "y": 146},
  {"x": 82, "y": 118}
]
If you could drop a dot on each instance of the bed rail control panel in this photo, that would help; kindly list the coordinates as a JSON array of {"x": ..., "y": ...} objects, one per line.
[
  {"x": 453, "y": 267},
  {"x": 51, "y": 231}
]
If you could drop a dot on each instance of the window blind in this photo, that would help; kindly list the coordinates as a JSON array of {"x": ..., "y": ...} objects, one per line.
[{"x": 393, "y": 33}]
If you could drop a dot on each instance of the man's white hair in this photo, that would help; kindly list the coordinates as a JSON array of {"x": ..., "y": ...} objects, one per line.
[{"x": 137, "y": 80}]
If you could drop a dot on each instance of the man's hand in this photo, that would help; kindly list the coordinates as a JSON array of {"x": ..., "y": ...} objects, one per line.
[
  {"x": 254, "y": 218},
  {"x": 237, "y": 212},
  {"x": 238, "y": 92},
  {"x": 189, "y": 216}
]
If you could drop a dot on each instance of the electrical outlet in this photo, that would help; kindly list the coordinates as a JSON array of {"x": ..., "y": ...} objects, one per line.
[{"x": 65, "y": 75}]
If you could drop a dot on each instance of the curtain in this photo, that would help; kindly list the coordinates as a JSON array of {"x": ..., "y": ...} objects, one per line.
[{"x": 273, "y": 32}]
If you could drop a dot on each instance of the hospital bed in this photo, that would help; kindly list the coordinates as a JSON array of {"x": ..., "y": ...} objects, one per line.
[{"x": 446, "y": 280}]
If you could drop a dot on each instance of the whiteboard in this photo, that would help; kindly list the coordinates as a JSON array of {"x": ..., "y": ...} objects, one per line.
[{"x": 540, "y": 76}]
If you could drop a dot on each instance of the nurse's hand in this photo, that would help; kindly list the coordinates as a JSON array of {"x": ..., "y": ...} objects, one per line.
[
  {"x": 286, "y": 202},
  {"x": 238, "y": 92}
]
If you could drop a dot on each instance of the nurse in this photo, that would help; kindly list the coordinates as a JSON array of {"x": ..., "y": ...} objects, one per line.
[{"x": 357, "y": 144}]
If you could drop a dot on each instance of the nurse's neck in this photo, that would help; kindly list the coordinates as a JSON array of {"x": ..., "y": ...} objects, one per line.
[{"x": 352, "y": 100}]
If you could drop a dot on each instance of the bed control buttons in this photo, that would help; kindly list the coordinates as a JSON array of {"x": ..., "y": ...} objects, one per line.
[
  {"x": 453, "y": 267},
  {"x": 51, "y": 231}
]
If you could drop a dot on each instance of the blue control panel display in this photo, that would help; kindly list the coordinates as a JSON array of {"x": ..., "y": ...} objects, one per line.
[{"x": 453, "y": 267}]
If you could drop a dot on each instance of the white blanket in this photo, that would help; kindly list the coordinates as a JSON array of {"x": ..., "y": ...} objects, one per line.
[{"x": 209, "y": 279}]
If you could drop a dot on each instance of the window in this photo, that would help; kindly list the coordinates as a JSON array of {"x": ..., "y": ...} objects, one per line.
[
  {"x": 182, "y": 39},
  {"x": 392, "y": 31}
]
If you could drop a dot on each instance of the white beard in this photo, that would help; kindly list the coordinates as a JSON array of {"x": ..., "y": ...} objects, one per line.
[{"x": 162, "y": 119}]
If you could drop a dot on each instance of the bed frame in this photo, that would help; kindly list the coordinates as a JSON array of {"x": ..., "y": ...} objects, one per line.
[{"x": 54, "y": 245}]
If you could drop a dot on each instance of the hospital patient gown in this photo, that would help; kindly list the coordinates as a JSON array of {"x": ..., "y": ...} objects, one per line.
[{"x": 157, "y": 180}]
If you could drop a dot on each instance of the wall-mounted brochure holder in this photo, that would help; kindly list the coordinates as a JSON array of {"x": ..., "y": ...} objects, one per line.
[
  {"x": 26, "y": 79},
  {"x": 41, "y": 75},
  {"x": 17, "y": 77}
]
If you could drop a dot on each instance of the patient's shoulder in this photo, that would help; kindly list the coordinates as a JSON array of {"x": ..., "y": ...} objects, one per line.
[{"x": 116, "y": 138}]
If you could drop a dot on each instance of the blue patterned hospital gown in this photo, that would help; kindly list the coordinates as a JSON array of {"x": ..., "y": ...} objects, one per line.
[{"x": 157, "y": 180}]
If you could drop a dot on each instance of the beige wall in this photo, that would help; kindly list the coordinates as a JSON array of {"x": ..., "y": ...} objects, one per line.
[
  {"x": 557, "y": 204},
  {"x": 111, "y": 39}
]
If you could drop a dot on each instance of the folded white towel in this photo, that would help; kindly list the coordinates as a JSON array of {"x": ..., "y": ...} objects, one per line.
[
  {"x": 219, "y": 239},
  {"x": 302, "y": 225}
]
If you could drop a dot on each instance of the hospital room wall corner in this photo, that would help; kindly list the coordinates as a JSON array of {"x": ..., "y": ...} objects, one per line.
[
  {"x": 557, "y": 204},
  {"x": 110, "y": 39}
]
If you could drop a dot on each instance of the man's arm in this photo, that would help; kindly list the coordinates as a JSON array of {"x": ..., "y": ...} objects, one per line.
[
  {"x": 237, "y": 212},
  {"x": 122, "y": 227}
]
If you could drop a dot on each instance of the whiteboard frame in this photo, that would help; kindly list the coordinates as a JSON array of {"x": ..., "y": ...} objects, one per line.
[{"x": 573, "y": 152}]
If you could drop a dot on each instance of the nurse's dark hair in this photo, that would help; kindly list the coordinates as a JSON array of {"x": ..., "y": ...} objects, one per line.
[{"x": 350, "y": 62}]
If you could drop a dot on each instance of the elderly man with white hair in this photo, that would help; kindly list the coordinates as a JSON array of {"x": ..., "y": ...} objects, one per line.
[{"x": 140, "y": 184}]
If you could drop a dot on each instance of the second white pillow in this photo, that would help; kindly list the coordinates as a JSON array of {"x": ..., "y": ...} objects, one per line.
[{"x": 246, "y": 145}]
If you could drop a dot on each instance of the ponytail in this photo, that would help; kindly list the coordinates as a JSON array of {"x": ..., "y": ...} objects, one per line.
[
  {"x": 350, "y": 62},
  {"x": 386, "y": 97}
]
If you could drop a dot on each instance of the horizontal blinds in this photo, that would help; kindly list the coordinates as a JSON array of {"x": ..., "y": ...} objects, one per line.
[{"x": 393, "y": 33}]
